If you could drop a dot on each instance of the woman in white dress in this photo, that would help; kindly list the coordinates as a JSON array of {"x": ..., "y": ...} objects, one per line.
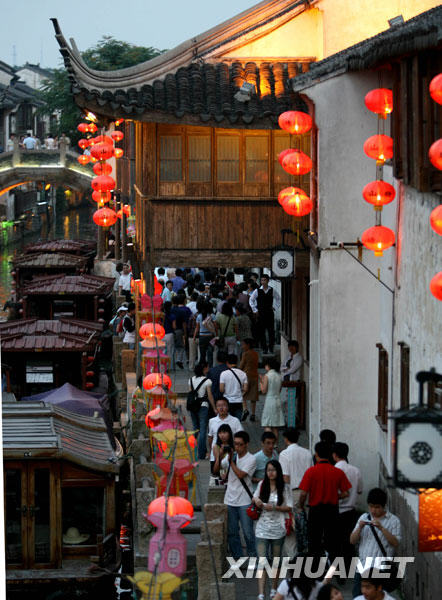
[{"x": 272, "y": 414}]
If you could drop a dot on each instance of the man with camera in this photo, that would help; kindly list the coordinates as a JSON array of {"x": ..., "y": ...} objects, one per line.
[{"x": 240, "y": 465}]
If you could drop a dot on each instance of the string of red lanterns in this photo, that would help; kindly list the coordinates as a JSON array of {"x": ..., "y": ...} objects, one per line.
[
  {"x": 378, "y": 193},
  {"x": 435, "y": 156}
]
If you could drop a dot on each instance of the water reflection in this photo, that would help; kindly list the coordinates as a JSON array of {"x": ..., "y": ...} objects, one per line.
[{"x": 68, "y": 224}]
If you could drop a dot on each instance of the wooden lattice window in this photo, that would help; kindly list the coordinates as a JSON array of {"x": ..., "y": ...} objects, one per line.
[
  {"x": 199, "y": 158},
  {"x": 228, "y": 158},
  {"x": 257, "y": 159},
  {"x": 171, "y": 158},
  {"x": 382, "y": 415},
  {"x": 405, "y": 375}
]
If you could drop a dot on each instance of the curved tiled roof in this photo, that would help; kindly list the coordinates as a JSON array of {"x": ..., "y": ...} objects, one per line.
[
  {"x": 69, "y": 284},
  {"x": 61, "y": 245},
  {"x": 49, "y": 260}
]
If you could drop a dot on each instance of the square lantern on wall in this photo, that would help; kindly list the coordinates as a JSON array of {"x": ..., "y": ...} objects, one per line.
[
  {"x": 417, "y": 448},
  {"x": 283, "y": 263}
]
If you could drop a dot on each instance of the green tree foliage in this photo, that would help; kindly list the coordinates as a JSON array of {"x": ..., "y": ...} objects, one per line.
[{"x": 107, "y": 55}]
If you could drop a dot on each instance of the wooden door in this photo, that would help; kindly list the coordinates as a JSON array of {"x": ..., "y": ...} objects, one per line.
[{"x": 31, "y": 515}]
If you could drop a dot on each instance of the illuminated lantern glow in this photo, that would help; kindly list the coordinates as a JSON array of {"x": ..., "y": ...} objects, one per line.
[
  {"x": 83, "y": 127},
  {"x": 378, "y": 193},
  {"x": 378, "y": 239},
  {"x": 295, "y": 122},
  {"x": 175, "y": 506},
  {"x": 295, "y": 201},
  {"x": 435, "y": 154},
  {"x": 105, "y": 217},
  {"x": 436, "y": 219},
  {"x": 152, "y": 330},
  {"x": 117, "y": 136},
  {"x": 101, "y": 197},
  {"x": 154, "y": 379},
  {"x": 380, "y": 101},
  {"x": 102, "y": 151},
  {"x": 103, "y": 183},
  {"x": 89, "y": 385},
  {"x": 92, "y": 128},
  {"x": 192, "y": 441},
  {"x": 436, "y": 88},
  {"x": 436, "y": 286},
  {"x": 83, "y": 144},
  {"x": 118, "y": 152},
  {"x": 283, "y": 154},
  {"x": 83, "y": 159},
  {"x": 297, "y": 163},
  {"x": 105, "y": 139},
  {"x": 102, "y": 168},
  {"x": 119, "y": 121},
  {"x": 93, "y": 159},
  {"x": 379, "y": 147},
  {"x": 125, "y": 210}
]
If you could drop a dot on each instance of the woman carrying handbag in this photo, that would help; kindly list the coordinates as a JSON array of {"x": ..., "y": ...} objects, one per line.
[{"x": 274, "y": 500}]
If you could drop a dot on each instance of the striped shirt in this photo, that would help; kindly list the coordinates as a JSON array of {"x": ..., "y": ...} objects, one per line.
[{"x": 368, "y": 546}]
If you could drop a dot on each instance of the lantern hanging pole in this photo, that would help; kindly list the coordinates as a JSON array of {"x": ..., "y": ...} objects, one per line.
[{"x": 342, "y": 246}]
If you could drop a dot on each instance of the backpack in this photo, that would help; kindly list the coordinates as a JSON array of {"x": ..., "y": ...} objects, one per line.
[
  {"x": 209, "y": 324},
  {"x": 193, "y": 403}
]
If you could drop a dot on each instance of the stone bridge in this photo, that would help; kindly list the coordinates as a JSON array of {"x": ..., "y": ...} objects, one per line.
[{"x": 57, "y": 167}]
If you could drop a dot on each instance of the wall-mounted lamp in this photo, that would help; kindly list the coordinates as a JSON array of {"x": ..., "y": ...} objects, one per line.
[{"x": 245, "y": 92}]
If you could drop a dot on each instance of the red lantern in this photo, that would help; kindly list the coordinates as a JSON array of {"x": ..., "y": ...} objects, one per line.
[
  {"x": 435, "y": 154},
  {"x": 297, "y": 163},
  {"x": 118, "y": 152},
  {"x": 117, "y": 136},
  {"x": 378, "y": 239},
  {"x": 92, "y": 128},
  {"x": 295, "y": 122},
  {"x": 283, "y": 154},
  {"x": 175, "y": 506},
  {"x": 436, "y": 286},
  {"x": 125, "y": 210},
  {"x": 154, "y": 379},
  {"x": 83, "y": 159},
  {"x": 83, "y": 127},
  {"x": 105, "y": 139},
  {"x": 380, "y": 101},
  {"x": 436, "y": 219},
  {"x": 102, "y": 168},
  {"x": 295, "y": 201},
  {"x": 101, "y": 197},
  {"x": 378, "y": 193},
  {"x": 89, "y": 385},
  {"x": 151, "y": 330},
  {"x": 150, "y": 414},
  {"x": 93, "y": 159},
  {"x": 83, "y": 144},
  {"x": 105, "y": 217},
  {"x": 102, "y": 151},
  {"x": 379, "y": 147},
  {"x": 436, "y": 88},
  {"x": 103, "y": 183},
  {"x": 90, "y": 373},
  {"x": 119, "y": 121}
]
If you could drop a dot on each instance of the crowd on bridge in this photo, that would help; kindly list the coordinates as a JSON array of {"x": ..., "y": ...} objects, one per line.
[
  {"x": 285, "y": 501},
  {"x": 29, "y": 141}
]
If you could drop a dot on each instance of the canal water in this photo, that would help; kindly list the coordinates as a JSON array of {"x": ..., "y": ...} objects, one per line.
[{"x": 67, "y": 223}]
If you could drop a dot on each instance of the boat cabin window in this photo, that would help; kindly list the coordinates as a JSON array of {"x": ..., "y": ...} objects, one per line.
[
  {"x": 82, "y": 515},
  {"x": 39, "y": 376}
]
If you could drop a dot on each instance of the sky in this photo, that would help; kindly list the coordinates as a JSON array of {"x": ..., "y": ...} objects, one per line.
[{"x": 27, "y": 35}]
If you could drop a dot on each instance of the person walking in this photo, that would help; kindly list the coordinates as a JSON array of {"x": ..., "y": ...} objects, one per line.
[
  {"x": 263, "y": 456},
  {"x": 295, "y": 461},
  {"x": 274, "y": 500},
  {"x": 226, "y": 329},
  {"x": 193, "y": 342},
  {"x": 292, "y": 366},
  {"x": 205, "y": 330},
  {"x": 222, "y": 418},
  {"x": 347, "y": 506},
  {"x": 263, "y": 302},
  {"x": 221, "y": 447},
  {"x": 169, "y": 337},
  {"x": 129, "y": 326},
  {"x": 304, "y": 586},
  {"x": 272, "y": 415},
  {"x": 201, "y": 384},
  {"x": 249, "y": 364},
  {"x": 240, "y": 465},
  {"x": 215, "y": 373},
  {"x": 182, "y": 315},
  {"x": 124, "y": 283},
  {"x": 325, "y": 486},
  {"x": 372, "y": 586},
  {"x": 378, "y": 532},
  {"x": 233, "y": 384}
]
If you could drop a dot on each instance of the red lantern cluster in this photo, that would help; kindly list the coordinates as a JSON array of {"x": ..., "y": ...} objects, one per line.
[
  {"x": 435, "y": 155},
  {"x": 294, "y": 200},
  {"x": 378, "y": 193}
]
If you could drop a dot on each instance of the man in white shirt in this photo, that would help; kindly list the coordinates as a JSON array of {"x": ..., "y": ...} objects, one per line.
[
  {"x": 387, "y": 527},
  {"x": 223, "y": 417},
  {"x": 233, "y": 384},
  {"x": 263, "y": 303},
  {"x": 124, "y": 282},
  {"x": 291, "y": 368},
  {"x": 372, "y": 587},
  {"x": 166, "y": 294},
  {"x": 347, "y": 506},
  {"x": 241, "y": 465},
  {"x": 295, "y": 461}
]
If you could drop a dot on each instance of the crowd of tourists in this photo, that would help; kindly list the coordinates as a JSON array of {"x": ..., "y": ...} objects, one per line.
[
  {"x": 30, "y": 141},
  {"x": 284, "y": 501}
]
